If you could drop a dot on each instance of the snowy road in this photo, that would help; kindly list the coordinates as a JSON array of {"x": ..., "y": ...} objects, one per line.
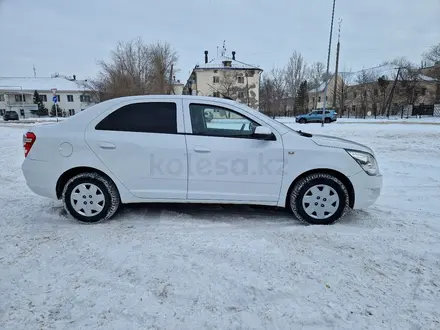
[{"x": 199, "y": 267}]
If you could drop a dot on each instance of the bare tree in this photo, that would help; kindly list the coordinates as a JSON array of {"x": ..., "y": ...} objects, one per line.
[
  {"x": 295, "y": 73},
  {"x": 272, "y": 92},
  {"x": 162, "y": 58},
  {"x": 135, "y": 68},
  {"x": 364, "y": 80},
  {"x": 433, "y": 55},
  {"x": 316, "y": 77},
  {"x": 342, "y": 90}
]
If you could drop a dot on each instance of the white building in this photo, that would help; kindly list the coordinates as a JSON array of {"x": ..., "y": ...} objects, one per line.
[
  {"x": 17, "y": 94},
  {"x": 226, "y": 77}
]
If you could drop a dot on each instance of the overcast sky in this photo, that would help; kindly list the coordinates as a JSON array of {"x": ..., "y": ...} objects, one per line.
[{"x": 69, "y": 37}]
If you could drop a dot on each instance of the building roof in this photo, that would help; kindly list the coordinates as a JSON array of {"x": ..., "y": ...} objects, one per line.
[
  {"x": 217, "y": 63},
  {"x": 41, "y": 84}
]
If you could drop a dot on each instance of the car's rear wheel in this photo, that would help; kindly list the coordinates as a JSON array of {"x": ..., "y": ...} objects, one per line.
[
  {"x": 319, "y": 199},
  {"x": 327, "y": 120},
  {"x": 302, "y": 121},
  {"x": 90, "y": 197}
]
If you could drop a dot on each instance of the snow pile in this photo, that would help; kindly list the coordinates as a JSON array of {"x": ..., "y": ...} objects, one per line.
[{"x": 210, "y": 267}]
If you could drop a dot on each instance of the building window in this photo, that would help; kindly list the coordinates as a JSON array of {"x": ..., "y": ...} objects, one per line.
[
  {"x": 216, "y": 94},
  {"x": 2, "y": 112},
  {"x": 355, "y": 95},
  {"x": 313, "y": 100},
  {"x": 216, "y": 79},
  {"x": 240, "y": 79},
  {"x": 240, "y": 95},
  {"x": 69, "y": 98},
  {"x": 85, "y": 98},
  {"x": 376, "y": 92},
  {"x": 2, "y": 97},
  {"x": 20, "y": 98},
  {"x": 71, "y": 112},
  {"x": 353, "y": 108},
  {"x": 423, "y": 92},
  {"x": 22, "y": 112},
  {"x": 319, "y": 98},
  {"x": 43, "y": 97}
]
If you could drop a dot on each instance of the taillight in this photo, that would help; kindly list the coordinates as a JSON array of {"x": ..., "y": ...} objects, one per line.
[{"x": 28, "y": 140}]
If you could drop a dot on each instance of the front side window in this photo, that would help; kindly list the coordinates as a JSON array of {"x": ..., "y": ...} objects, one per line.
[
  {"x": 43, "y": 97},
  {"x": 69, "y": 98},
  {"x": 217, "y": 121},
  {"x": 148, "y": 117}
]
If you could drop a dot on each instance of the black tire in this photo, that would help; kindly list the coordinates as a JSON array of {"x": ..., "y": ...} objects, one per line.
[
  {"x": 302, "y": 186},
  {"x": 327, "y": 120},
  {"x": 302, "y": 121},
  {"x": 108, "y": 189}
]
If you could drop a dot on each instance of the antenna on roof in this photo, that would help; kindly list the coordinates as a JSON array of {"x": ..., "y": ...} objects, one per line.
[
  {"x": 224, "y": 48},
  {"x": 35, "y": 72}
]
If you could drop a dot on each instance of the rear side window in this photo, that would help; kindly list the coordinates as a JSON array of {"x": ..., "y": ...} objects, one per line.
[{"x": 149, "y": 117}]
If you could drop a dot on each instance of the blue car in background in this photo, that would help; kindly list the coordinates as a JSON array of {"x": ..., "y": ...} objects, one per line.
[{"x": 316, "y": 117}]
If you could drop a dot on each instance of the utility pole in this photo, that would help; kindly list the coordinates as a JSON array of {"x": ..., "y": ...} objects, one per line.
[
  {"x": 328, "y": 64},
  {"x": 337, "y": 66}
]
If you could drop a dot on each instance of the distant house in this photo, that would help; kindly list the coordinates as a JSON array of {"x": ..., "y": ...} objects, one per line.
[
  {"x": 16, "y": 94},
  {"x": 226, "y": 77},
  {"x": 361, "y": 93}
]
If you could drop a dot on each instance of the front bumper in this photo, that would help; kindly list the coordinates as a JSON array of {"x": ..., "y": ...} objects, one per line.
[
  {"x": 40, "y": 177},
  {"x": 367, "y": 189}
]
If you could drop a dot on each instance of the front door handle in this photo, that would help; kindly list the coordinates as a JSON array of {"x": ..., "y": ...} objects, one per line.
[
  {"x": 203, "y": 150},
  {"x": 106, "y": 145}
]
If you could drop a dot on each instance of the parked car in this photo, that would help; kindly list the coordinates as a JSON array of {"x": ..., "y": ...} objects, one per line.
[
  {"x": 10, "y": 115},
  {"x": 143, "y": 149},
  {"x": 316, "y": 117}
]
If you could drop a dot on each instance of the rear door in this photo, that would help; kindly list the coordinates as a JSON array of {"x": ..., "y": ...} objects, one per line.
[{"x": 142, "y": 145}]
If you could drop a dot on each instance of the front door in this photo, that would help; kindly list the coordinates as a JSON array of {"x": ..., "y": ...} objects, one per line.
[
  {"x": 143, "y": 146},
  {"x": 225, "y": 163}
]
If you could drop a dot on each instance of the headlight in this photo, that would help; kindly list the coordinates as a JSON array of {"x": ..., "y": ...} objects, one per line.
[{"x": 366, "y": 161}]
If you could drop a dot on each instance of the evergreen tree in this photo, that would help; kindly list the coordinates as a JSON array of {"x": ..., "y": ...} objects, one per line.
[
  {"x": 302, "y": 98},
  {"x": 54, "y": 109},
  {"x": 41, "y": 110}
]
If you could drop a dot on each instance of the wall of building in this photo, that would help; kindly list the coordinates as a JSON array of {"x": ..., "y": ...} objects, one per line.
[
  {"x": 229, "y": 84},
  {"x": 8, "y": 102}
]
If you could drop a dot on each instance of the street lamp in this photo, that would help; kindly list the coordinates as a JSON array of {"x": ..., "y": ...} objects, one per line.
[{"x": 328, "y": 65}]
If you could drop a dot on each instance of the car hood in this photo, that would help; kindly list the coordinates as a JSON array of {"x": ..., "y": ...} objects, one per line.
[{"x": 335, "y": 142}]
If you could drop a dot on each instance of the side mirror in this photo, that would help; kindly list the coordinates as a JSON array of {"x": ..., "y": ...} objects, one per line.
[{"x": 264, "y": 133}]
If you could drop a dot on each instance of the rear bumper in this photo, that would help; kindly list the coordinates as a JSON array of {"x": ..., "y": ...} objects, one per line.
[
  {"x": 366, "y": 189},
  {"x": 40, "y": 177}
]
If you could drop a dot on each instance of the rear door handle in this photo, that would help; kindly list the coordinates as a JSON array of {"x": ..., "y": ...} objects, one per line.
[
  {"x": 203, "y": 150},
  {"x": 106, "y": 145}
]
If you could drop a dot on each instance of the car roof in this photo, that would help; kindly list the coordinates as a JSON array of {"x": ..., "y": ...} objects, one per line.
[{"x": 84, "y": 117}]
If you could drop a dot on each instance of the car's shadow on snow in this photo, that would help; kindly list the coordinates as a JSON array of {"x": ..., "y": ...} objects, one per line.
[
  {"x": 204, "y": 213},
  {"x": 221, "y": 214}
]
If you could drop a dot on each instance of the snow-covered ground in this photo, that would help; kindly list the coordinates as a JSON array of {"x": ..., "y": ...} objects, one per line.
[{"x": 201, "y": 267}]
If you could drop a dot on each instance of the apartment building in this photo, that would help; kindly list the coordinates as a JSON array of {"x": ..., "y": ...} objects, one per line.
[
  {"x": 16, "y": 94},
  {"x": 226, "y": 77}
]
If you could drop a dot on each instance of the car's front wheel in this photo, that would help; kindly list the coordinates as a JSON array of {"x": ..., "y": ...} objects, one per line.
[
  {"x": 302, "y": 121},
  {"x": 327, "y": 120},
  {"x": 90, "y": 197},
  {"x": 319, "y": 199}
]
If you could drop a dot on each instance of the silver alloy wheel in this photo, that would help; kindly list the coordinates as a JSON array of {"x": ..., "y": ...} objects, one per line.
[
  {"x": 87, "y": 199},
  {"x": 320, "y": 201}
]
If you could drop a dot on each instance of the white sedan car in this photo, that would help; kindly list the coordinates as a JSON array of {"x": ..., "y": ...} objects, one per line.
[{"x": 144, "y": 149}]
